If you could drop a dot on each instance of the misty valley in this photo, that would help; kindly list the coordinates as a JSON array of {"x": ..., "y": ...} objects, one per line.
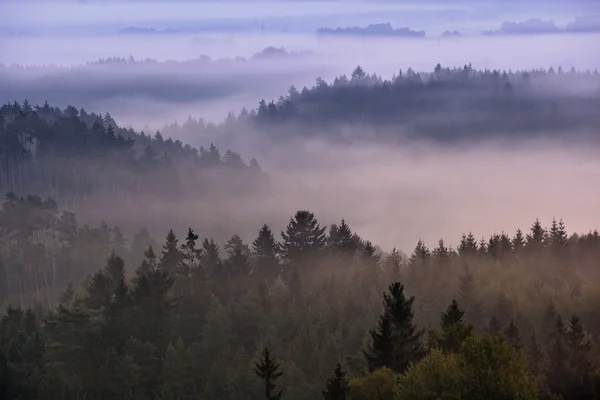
[{"x": 321, "y": 205}]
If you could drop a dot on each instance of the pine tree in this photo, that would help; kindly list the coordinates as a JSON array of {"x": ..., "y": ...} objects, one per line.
[
  {"x": 303, "y": 237},
  {"x": 453, "y": 315},
  {"x": 380, "y": 353},
  {"x": 579, "y": 346},
  {"x": 266, "y": 251},
  {"x": 407, "y": 346},
  {"x": 369, "y": 253},
  {"x": 420, "y": 255},
  {"x": 191, "y": 256},
  {"x": 268, "y": 371},
  {"x": 468, "y": 245},
  {"x": 537, "y": 236},
  {"x": 341, "y": 238},
  {"x": 337, "y": 385},
  {"x": 171, "y": 257},
  {"x": 513, "y": 335},
  {"x": 557, "y": 237},
  {"x": 441, "y": 252},
  {"x": 455, "y": 330},
  {"x": 518, "y": 241},
  {"x": 211, "y": 260}
]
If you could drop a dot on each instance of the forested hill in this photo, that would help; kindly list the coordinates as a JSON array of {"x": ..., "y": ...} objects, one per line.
[
  {"x": 458, "y": 104},
  {"x": 86, "y": 161}
]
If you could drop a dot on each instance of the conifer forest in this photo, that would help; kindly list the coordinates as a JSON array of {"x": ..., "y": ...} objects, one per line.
[{"x": 294, "y": 223}]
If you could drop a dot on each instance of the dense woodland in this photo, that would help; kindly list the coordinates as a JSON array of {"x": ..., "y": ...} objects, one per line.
[
  {"x": 82, "y": 160},
  {"x": 448, "y": 104},
  {"x": 101, "y": 311},
  {"x": 508, "y": 317}
]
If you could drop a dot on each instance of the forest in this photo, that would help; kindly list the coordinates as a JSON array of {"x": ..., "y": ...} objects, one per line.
[
  {"x": 318, "y": 313},
  {"x": 446, "y": 105},
  {"x": 111, "y": 310}
]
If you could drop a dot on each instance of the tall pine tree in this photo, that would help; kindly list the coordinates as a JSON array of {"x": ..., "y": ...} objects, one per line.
[{"x": 267, "y": 370}]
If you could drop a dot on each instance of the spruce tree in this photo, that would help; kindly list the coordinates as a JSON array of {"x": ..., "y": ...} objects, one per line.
[
  {"x": 579, "y": 345},
  {"x": 266, "y": 251},
  {"x": 518, "y": 241},
  {"x": 171, "y": 258},
  {"x": 453, "y": 315},
  {"x": 342, "y": 239},
  {"x": 380, "y": 353},
  {"x": 337, "y": 385},
  {"x": 455, "y": 330},
  {"x": 369, "y": 253},
  {"x": 302, "y": 238},
  {"x": 536, "y": 239},
  {"x": 468, "y": 245},
  {"x": 267, "y": 370},
  {"x": 407, "y": 346}
]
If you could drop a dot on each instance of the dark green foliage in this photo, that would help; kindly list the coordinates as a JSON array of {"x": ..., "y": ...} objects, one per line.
[
  {"x": 337, "y": 385},
  {"x": 380, "y": 353},
  {"x": 341, "y": 238},
  {"x": 395, "y": 325},
  {"x": 303, "y": 237},
  {"x": 266, "y": 251},
  {"x": 268, "y": 370},
  {"x": 453, "y": 315},
  {"x": 171, "y": 258}
]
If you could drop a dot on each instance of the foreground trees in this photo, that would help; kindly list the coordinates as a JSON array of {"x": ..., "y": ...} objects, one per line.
[{"x": 191, "y": 321}]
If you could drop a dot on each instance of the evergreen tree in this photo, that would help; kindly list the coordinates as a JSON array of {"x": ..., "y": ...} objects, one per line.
[
  {"x": 267, "y": 370},
  {"x": 303, "y": 237},
  {"x": 369, "y": 253},
  {"x": 337, "y": 385},
  {"x": 171, "y": 257},
  {"x": 211, "y": 260},
  {"x": 341, "y": 238},
  {"x": 518, "y": 241},
  {"x": 407, "y": 346},
  {"x": 537, "y": 236},
  {"x": 266, "y": 251},
  {"x": 455, "y": 330},
  {"x": 579, "y": 346},
  {"x": 380, "y": 353},
  {"x": 557, "y": 236},
  {"x": 468, "y": 245},
  {"x": 420, "y": 255}
]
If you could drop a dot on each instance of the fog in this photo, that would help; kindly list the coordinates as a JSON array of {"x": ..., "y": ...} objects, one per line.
[{"x": 392, "y": 195}]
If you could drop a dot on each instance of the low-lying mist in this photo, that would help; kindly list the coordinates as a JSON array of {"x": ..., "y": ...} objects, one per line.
[
  {"x": 395, "y": 195},
  {"x": 166, "y": 92}
]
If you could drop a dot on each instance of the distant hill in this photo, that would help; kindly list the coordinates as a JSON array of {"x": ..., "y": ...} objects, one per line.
[
  {"x": 384, "y": 29},
  {"x": 135, "y": 30}
]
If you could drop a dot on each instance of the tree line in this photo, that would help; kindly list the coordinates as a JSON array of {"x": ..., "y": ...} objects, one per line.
[
  {"x": 446, "y": 104},
  {"x": 511, "y": 316}
]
